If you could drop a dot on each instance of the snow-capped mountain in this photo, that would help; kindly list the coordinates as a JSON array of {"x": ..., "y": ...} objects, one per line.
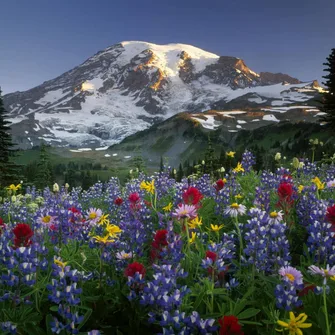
[{"x": 131, "y": 85}]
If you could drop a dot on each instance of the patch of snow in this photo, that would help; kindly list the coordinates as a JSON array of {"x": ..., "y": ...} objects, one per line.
[
  {"x": 27, "y": 132},
  {"x": 72, "y": 150},
  {"x": 85, "y": 149},
  {"x": 239, "y": 127},
  {"x": 114, "y": 155},
  {"x": 102, "y": 148},
  {"x": 107, "y": 155},
  {"x": 232, "y": 131},
  {"x": 50, "y": 97},
  {"x": 321, "y": 113},
  {"x": 258, "y": 100},
  {"x": 255, "y": 120},
  {"x": 232, "y": 112},
  {"x": 127, "y": 156},
  {"x": 209, "y": 123},
  {"x": 270, "y": 117},
  {"x": 241, "y": 121}
]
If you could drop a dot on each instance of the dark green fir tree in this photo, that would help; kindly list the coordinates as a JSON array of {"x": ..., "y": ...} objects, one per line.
[
  {"x": 44, "y": 177},
  {"x": 9, "y": 171},
  {"x": 328, "y": 101}
]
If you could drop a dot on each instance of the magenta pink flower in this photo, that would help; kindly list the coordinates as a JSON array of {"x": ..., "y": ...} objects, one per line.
[{"x": 185, "y": 211}]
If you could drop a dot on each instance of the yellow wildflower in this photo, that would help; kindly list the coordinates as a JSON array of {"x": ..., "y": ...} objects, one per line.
[
  {"x": 300, "y": 188},
  {"x": 193, "y": 237},
  {"x": 149, "y": 187},
  {"x": 168, "y": 207},
  {"x": 238, "y": 196},
  {"x": 103, "y": 240},
  {"x": 103, "y": 219},
  {"x": 113, "y": 230},
  {"x": 239, "y": 168},
  {"x": 318, "y": 183},
  {"x": 195, "y": 223},
  {"x": 13, "y": 188},
  {"x": 332, "y": 278},
  {"x": 216, "y": 228},
  {"x": 231, "y": 154},
  {"x": 60, "y": 263},
  {"x": 295, "y": 324}
]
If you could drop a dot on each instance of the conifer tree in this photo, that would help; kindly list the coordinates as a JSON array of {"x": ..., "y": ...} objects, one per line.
[
  {"x": 180, "y": 173},
  {"x": 44, "y": 175},
  {"x": 328, "y": 106},
  {"x": 9, "y": 171},
  {"x": 161, "y": 165}
]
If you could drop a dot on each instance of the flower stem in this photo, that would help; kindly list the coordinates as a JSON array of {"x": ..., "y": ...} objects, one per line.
[
  {"x": 239, "y": 237},
  {"x": 325, "y": 309}
]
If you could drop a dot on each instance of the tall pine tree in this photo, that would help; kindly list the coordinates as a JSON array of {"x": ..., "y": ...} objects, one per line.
[
  {"x": 9, "y": 171},
  {"x": 329, "y": 97},
  {"x": 44, "y": 175}
]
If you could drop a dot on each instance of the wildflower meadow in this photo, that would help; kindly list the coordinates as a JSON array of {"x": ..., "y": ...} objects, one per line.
[{"x": 247, "y": 253}]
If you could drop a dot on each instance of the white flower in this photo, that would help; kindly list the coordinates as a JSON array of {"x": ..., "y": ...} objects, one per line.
[
  {"x": 222, "y": 169},
  {"x": 235, "y": 209},
  {"x": 56, "y": 187},
  {"x": 124, "y": 255},
  {"x": 203, "y": 162},
  {"x": 301, "y": 165},
  {"x": 276, "y": 217},
  {"x": 130, "y": 171},
  {"x": 278, "y": 156},
  {"x": 13, "y": 198},
  {"x": 67, "y": 185}
]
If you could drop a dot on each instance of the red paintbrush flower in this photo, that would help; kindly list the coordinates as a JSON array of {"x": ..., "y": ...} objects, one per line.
[
  {"x": 306, "y": 289},
  {"x": 134, "y": 268},
  {"x": 285, "y": 191},
  {"x": 134, "y": 197},
  {"x": 2, "y": 226},
  {"x": 211, "y": 255},
  {"x": 330, "y": 215},
  {"x": 219, "y": 184},
  {"x": 229, "y": 326},
  {"x": 160, "y": 241},
  {"x": 23, "y": 234},
  {"x": 118, "y": 201},
  {"x": 192, "y": 196}
]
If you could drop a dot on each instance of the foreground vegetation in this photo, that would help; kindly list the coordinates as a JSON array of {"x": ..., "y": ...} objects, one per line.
[{"x": 245, "y": 253}]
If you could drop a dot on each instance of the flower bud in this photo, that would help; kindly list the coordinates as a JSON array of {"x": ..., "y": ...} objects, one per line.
[
  {"x": 295, "y": 162},
  {"x": 278, "y": 156},
  {"x": 56, "y": 187}
]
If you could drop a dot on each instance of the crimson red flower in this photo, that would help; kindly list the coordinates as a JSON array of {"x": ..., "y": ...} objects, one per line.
[
  {"x": 212, "y": 255},
  {"x": 219, "y": 184},
  {"x": 118, "y": 201},
  {"x": 134, "y": 268},
  {"x": 330, "y": 215},
  {"x": 285, "y": 191},
  {"x": 2, "y": 226},
  {"x": 229, "y": 326},
  {"x": 74, "y": 210},
  {"x": 160, "y": 238},
  {"x": 306, "y": 289},
  {"x": 192, "y": 196},
  {"x": 160, "y": 241},
  {"x": 23, "y": 234},
  {"x": 134, "y": 197}
]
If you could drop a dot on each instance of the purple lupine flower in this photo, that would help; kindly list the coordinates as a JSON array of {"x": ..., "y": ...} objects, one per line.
[{"x": 248, "y": 160}]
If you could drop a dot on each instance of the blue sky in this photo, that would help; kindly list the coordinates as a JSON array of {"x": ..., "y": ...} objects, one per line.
[{"x": 41, "y": 39}]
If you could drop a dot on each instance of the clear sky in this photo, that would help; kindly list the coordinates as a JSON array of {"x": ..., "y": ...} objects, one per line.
[{"x": 41, "y": 39}]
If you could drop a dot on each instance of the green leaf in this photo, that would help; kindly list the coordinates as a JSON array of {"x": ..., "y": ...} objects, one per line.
[
  {"x": 54, "y": 308},
  {"x": 248, "y": 313},
  {"x": 32, "y": 329},
  {"x": 48, "y": 321},
  {"x": 86, "y": 317}
]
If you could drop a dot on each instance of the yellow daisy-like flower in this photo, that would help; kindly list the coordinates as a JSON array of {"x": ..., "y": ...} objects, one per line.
[
  {"x": 195, "y": 223},
  {"x": 239, "y": 168},
  {"x": 193, "y": 237},
  {"x": 216, "y": 227},
  {"x": 113, "y": 230},
  {"x": 60, "y": 263},
  {"x": 238, "y": 196},
  {"x": 332, "y": 278},
  {"x": 318, "y": 183},
  {"x": 300, "y": 188},
  {"x": 168, "y": 207},
  {"x": 104, "y": 219},
  {"x": 231, "y": 154},
  {"x": 149, "y": 187},
  {"x": 13, "y": 188},
  {"x": 295, "y": 324},
  {"x": 104, "y": 239}
]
